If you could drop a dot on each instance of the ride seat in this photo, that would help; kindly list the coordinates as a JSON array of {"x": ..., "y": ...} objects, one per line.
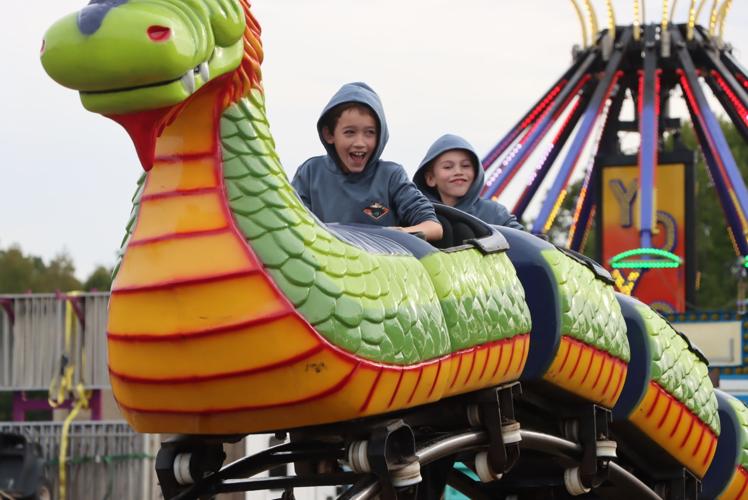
[{"x": 462, "y": 230}]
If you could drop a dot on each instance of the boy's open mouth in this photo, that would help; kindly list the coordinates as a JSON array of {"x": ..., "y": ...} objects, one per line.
[{"x": 358, "y": 158}]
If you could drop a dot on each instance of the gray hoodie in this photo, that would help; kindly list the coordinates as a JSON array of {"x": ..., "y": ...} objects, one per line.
[
  {"x": 489, "y": 211},
  {"x": 381, "y": 194}
]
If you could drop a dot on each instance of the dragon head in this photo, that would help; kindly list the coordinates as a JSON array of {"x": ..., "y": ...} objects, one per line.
[{"x": 139, "y": 61}]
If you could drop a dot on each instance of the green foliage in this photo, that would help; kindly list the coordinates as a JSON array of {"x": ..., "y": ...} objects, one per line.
[
  {"x": 21, "y": 273},
  {"x": 100, "y": 280},
  {"x": 715, "y": 256}
]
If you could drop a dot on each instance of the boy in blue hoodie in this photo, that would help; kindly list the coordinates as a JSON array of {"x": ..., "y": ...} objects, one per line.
[
  {"x": 451, "y": 174},
  {"x": 350, "y": 184}
]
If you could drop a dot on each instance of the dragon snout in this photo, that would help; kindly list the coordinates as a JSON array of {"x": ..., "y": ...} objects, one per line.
[
  {"x": 126, "y": 56},
  {"x": 118, "y": 45}
]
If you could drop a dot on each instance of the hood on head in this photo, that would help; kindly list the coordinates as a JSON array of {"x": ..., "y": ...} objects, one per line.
[
  {"x": 361, "y": 93},
  {"x": 443, "y": 144}
]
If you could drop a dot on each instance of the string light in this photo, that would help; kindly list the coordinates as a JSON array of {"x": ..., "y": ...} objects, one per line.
[
  {"x": 670, "y": 259},
  {"x": 581, "y": 22},
  {"x": 611, "y": 19},
  {"x": 593, "y": 20},
  {"x": 494, "y": 170},
  {"x": 691, "y": 20},
  {"x": 602, "y": 125},
  {"x": 625, "y": 285},
  {"x": 723, "y": 16},
  {"x": 741, "y": 111},
  {"x": 646, "y": 264},
  {"x": 713, "y": 18},
  {"x": 555, "y": 210}
]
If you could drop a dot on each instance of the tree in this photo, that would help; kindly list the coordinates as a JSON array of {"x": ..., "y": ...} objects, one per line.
[
  {"x": 100, "y": 280},
  {"x": 59, "y": 275},
  {"x": 715, "y": 256},
  {"x": 21, "y": 273}
]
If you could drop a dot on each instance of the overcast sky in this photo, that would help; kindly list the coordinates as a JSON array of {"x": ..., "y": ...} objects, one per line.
[{"x": 471, "y": 67}]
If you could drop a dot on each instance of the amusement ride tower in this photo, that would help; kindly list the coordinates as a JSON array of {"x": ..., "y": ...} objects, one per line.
[{"x": 642, "y": 204}]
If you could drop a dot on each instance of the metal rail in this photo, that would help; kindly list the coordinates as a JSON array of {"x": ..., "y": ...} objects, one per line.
[
  {"x": 531, "y": 440},
  {"x": 105, "y": 459}
]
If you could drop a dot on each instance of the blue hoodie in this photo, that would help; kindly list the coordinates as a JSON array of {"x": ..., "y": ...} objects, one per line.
[
  {"x": 381, "y": 194},
  {"x": 489, "y": 211}
]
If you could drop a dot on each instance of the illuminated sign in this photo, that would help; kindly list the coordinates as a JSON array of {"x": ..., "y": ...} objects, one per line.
[{"x": 656, "y": 275}]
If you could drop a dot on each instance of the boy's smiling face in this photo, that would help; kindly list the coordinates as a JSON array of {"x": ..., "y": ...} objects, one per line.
[
  {"x": 452, "y": 174},
  {"x": 355, "y": 138}
]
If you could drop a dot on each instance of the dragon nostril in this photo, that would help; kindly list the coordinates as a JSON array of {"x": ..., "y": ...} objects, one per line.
[{"x": 159, "y": 33}]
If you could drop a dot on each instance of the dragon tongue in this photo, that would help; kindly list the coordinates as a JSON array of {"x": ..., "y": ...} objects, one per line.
[{"x": 144, "y": 129}]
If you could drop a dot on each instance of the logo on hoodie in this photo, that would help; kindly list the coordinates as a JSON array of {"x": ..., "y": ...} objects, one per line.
[{"x": 376, "y": 210}]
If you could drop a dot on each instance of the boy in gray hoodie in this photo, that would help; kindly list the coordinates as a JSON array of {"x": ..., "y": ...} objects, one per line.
[
  {"x": 451, "y": 174},
  {"x": 351, "y": 184}
]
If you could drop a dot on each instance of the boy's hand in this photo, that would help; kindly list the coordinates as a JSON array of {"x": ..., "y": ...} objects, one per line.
[{"x": 431, "y": 229}]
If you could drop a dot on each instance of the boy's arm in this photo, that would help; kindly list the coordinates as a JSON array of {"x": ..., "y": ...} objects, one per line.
[
  {"x": 414, "y": 211},
  {"x": 431, "y": 229}
]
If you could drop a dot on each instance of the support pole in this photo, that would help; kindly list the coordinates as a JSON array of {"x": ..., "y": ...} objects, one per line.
[
  {"x": 592, "y": 113},
  {"x": 588, "y": 195},
  {"x": 527, "y": 120},
  {"x": 725, "y": 173},
  {"x": 555, "y": 149},
  {"x": 716, "y": 64},
  {"x": 737, "y": 112},
  {"x": 649, "y": 111},
  {"x": 735, "y": 68},
  {"x": 540, "y": 129}
]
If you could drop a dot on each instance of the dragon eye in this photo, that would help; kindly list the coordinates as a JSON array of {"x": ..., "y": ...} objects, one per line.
[{"x": 159, "y": 33}]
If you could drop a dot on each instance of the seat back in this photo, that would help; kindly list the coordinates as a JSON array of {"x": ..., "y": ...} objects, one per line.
[
  {"x": 459, "y": 227},
  {"x": 447, "y": 233}
]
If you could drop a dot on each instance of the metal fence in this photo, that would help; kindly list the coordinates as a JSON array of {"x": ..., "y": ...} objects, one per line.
[
  {"x": 105, "y": 460},
  {"x": 32, "y": 340}
]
